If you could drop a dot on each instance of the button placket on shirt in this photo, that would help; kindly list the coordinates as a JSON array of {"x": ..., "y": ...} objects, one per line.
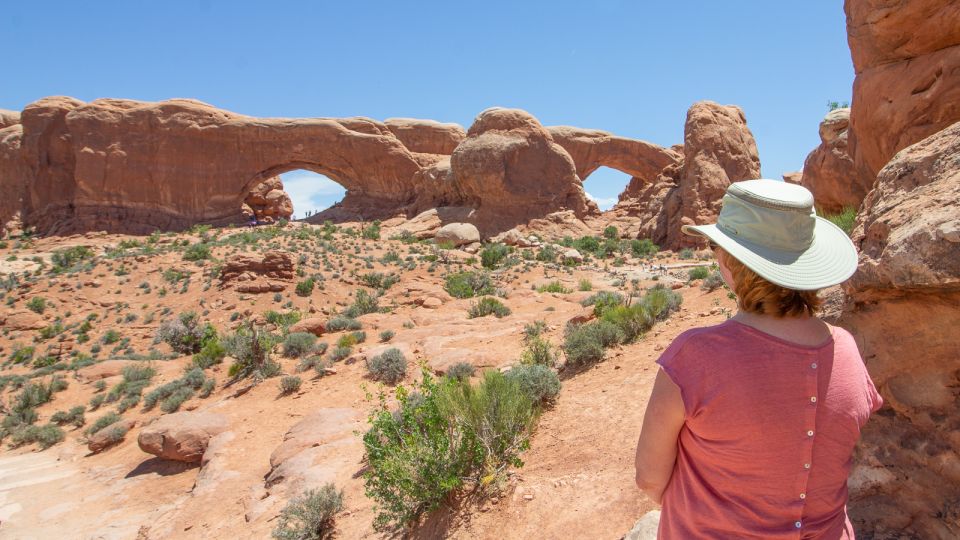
[{"x": 811, "y": 386}]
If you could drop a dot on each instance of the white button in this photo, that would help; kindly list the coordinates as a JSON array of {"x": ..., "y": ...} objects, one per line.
[
  {"x": 806, "y": 465},
  {"x": 813, "y": 399},
  {"x": 803, "y": 495},
  {"x": 797, "y": 524},
  {"x": 814, "y": 365},
  {"x": 810, "y": 433}
]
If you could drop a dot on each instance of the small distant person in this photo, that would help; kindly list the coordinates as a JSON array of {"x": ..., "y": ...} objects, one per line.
[
  {"x": 253, "y": 222},
  {"x": 751, "y": 424}
]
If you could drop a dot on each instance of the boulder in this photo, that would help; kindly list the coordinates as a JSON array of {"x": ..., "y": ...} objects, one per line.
[
  {"x": 646, "y": 527},
  {"x": 313, "y": 325},
  {"x": 458, "y": 234},
  {"x": 906, "y": 56},
  {"x": 510, "y": 169},
  {"x": 110, "y": 435},
  {"x": 268, "y": 201},
  {"x": 828, "y": 171},
  {"x": 572, "y": 255},
  {"x": 794, "y": 177},
  {"x": 103, "y": 370},
  {"x": 22, "y": 320},
  {"x": 181, "y": 436},
  {"x": 902, "y": 306}
]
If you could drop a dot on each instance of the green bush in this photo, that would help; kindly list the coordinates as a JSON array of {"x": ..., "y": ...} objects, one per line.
[
  {"x": 73, "y": 417},
  {"x": 661, "y": 302},
  {"x": 372, "y": 231},
  {"x": 37, "y": 304},
  {"x": 386, "y": 335},
  {"x": 611, "y": 232},
  {"x": 251, "y": 347},
  {"x": 488, "y": 306},
  {"x": 341, "y": 322},
  {"x": 700, "y": 272},
  {"x": 363, "y": 303},
  {"x": 632, "y": 321},
  {"x": 548, "y": 253},
  {"x": 377, "y": 280},
  {"x": 207, "y": 388},
  {"x": 712, "y": 282},
  {"x": 603, "y": 301},
  {"x": 21, "y": 354},
  {"x": 534, "y": 329},
  {"x": 210, "y": 354},
  {"x": 96, "y": 401},
  {"x": 339, "y": 353},
  {"x": 290, "y": 384},
  {"x": 283, "y": 320},
  {"x": 197, "y": 252},
  {"x": 468, "y": 284},
  {"x": 46, "y": 436},
  {"x": 586, "y": 244},
  {"x": 389, "y": 366},
  {"x": 172, "y": 403},
  {"x": 537, "y": 381},
  {"x": 305, "y": 287},
  {"x": 102, "y": 422},
  {"x": 845, "y": 219},
  {"x": 311, "y": 515},
  {"x": 493, "y": 254},
  {"x": 538, "y": 351},
  {"x": 686, "y": 253},
  {"x": 461, "y": 371},
  {"x": 443, "y": 434},
  {"x": 297, "y": 344},
  {"x": 584, "y": 344},
  {"x": 185, "y": 334},
  {"x": 643, "y": 248},
  {"x": 64, "y": 259},
  {"x": 553, "y": 287},
  {"x": 585, "y": 285}
]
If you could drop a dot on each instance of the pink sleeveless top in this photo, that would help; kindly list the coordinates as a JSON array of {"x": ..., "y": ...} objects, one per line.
[{"x": 765, "y": 449}]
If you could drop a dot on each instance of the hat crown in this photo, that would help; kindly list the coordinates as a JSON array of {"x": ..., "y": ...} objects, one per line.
[{"x": 769, "y": 213}]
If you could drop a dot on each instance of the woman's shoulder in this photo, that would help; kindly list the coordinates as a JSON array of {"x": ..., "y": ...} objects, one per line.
[{"x": 694, "y": 340}]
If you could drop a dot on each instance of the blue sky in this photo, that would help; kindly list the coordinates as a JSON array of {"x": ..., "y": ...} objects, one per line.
[{"x": 630, "y": 67}]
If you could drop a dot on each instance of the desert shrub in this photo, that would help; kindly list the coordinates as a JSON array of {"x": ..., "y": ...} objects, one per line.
[
  {"x": 37, "y": 304},
  {"x": 377, "y": 280},
  {"x": 339, "y": 353},
  {"x": 700, "y": 272},
  {"x": 197, "y": 252},
  {"x": 173, "y": 402},
  {"x": 290, "y": 384},
  {"x": 359, "y": 336},
  {"x": 298, "y": 344},
  {"x": 283, "y": 320},
  {"x": 96, "y": 401},
  {"x": 488, "y": 306},
  {"x": 341, "y": 322},
  {"x": 102, "y": 422},
  {"x": 347, "y": 340},
  {"x": 686, "y": 253},
  {"x": 386, "y": 335},
  {"x": 185, "y": 334},
  {"x": 461, "y": 371},
  {"x": 46, "y": 436},
  {"x": 585, "y": 285},
  {"x": 586, "y": 244},
  {"x": 311, "y": 515},
  {"x": 207, "y": 388},
  {"x": 389, "y": 366},
  {"x": 493, "y": 254},
  {"x": 363, "y": 303},
  {"x": 443, "y": 434},
  {"x": 845, "y": 219},
  {"x": 64, "y": 259},
  {"x": 538, "y": 351},
  {"x": 712, "y": 282},
  {"x": 251, "y": 347},
  {"x": 643, "y": 248},
  {"x": 602, "y": 301},
  {"x": 553, "y": 287},
  {"x": 537, "y": 381},
  {"x": 308, "y": 363},
  {"x": 116, "y": 433},
  {"x": 211, "y": 353},
  {"x": 73, "y": 417},
  {"x": 632, "y": 321},
  {"x": 584, "y": 344},
  {"x": 661, "y": 302},
  {"x": 547, "y": 253},
  {"x": 372, "y": 231},
  {"x": 468, "y": 284},
  {"x": 21, "y": 354},
  {"x": 611, "y": 233},
  {"x": 534, "y": 329},
  {"x": 305, "y": 287}
]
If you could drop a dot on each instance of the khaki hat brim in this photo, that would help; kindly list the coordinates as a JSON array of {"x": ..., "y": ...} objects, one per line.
[{"x": 830, "y": 259}]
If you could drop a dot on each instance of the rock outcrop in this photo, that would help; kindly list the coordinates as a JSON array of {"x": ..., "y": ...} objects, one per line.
[
  {"x": 903, "y": 309},
  {"x": 257, "y": 273},
  {"x": 110, "y": 435},
  {"x": 718, "y": 149},
  {"x": 268, "y": 202},
  {"x": 13, "y": 175},
  {"x": 509, "y": 168},
  {"x": 458, "y": 234},
  {"x": 8, "y": 118},
  {"x": 181, "y": 436},
  {"x": 426, "y": 136},
  {"x": 906, "y": 55},
  {"x": 828, "y": 171}
]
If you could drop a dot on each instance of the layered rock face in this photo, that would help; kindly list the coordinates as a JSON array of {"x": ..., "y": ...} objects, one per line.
[
  {"x": 904, "y": 309},
  {"x": 828, "y": 171},
  {"x": 906, "y": 54},
  {"x": 13, "y": 176},
  {"x": 592, "y": 148},
  {"x": 133, "y": 166},
  {"x": 718, "y": 149},
  {"x": 8, "y": 118},
  {"x": 426, "y": 136}
]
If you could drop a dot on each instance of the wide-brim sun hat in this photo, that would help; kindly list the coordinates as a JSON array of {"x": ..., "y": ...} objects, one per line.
[{"x": 772, "y": 227}]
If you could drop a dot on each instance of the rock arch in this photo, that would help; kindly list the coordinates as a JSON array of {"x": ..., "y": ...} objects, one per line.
[{"x": 592, "y": 148}]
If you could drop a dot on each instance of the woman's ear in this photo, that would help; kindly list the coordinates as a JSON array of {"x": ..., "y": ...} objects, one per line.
[{"x": 725, "y": 272}]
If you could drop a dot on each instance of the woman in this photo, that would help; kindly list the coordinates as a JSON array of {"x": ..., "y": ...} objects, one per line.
[{"x": 751, "y": 424}]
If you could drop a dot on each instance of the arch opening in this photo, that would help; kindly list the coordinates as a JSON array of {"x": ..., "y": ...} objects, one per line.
[
  {"x": 604, "y": 186},
  {"x": 290, "y": 191}
]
